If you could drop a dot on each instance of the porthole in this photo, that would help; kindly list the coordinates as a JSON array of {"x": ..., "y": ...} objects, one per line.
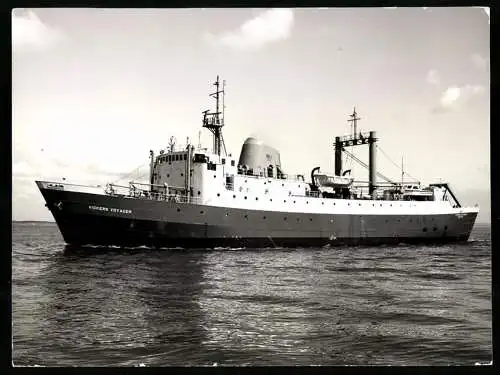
[
  {"x": 218, "y": 194},
  {"x": 245, "y": 180},
  {"x": 245, "y": 197},
  {"x": 270, "y": 199},
  {"x": 322, "y": 202},
  {"x": 359, "y": 204},
  {"x": 298, "y": 219},
  {"x": 168, "y": 175},
  {"x": 199, "y": 192},
  {"x": 347, "y": 204},
  {"x": 310, "y": 219},
  {"x": 178, "y": 210},
  {"x": 284, "y": 201},
  {"x": 215, "y": 176},
  {"x": 282, "y": 184},
  {"x": 334, "y": 203},
  {"x": 307, "y": 202},
  {"x": 424, "y": 230},
  {"x": 411, "y": 220},
  {"x": 246, "y": 216},
  {"x": 256, "y": 198},
  {"x": 263, "y": 217},
  {"x": 284, "y": 218},
  {"x": 434, "y": 229},
  {"x": 264, "y": 182},
  {"x": 445, "y": 227},
  {"x": 293, "y": 201},
  {"x": 386, "y": 221},
  {"x": 391, "y": 204},
  {"x": 182, "y": 174},
  {"x": 373, "y": 204},
  {"x": 234, "y": 196},
  {"x": 202, "y": 212},
  {"x": 380, "y": 204}
]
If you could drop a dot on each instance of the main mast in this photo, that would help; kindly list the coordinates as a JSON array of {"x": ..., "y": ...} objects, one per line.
[
  {"x": 213, "y": 121},
  {"x": 355, "y": 139}
]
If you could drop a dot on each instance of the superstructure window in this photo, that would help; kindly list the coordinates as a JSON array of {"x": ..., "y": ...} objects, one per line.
[
  {"x": 185, "y": 157},
  {"x": 232, "y": 163},
  {"x": 223, "y": 161},
  {"x": 200, "y": 158}
]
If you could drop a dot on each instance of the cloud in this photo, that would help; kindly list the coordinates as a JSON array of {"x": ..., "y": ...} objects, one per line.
[
  {"x": 433, "y": 77},
  {"x": 455, "y": 97},
  {"x": 479, "y": 61},
  {"x": 268, "y": 27},
  {"x": 29, "y": 32}
]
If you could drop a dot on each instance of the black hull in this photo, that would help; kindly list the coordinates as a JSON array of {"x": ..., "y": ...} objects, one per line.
[{"x": 130, "y": 222}]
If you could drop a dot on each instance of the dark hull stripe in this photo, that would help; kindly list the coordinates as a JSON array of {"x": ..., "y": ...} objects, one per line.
[{"x": 161, "y": 224}]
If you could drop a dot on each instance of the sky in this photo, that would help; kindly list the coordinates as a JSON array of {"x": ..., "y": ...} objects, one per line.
[{"x": 93, "y": 90}]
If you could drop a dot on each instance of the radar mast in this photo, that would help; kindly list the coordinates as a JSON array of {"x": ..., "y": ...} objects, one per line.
[{"x": 213, "y": 121}]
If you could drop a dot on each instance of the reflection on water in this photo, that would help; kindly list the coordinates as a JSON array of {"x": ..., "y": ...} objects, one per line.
[
  {"x": 401, "y": 305},
  {"x": 253, "y": 312},
  {"x": 107, "y": 300}
]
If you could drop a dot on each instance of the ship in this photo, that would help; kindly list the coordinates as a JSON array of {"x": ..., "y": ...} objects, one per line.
[{"x": 198, "y": 197}]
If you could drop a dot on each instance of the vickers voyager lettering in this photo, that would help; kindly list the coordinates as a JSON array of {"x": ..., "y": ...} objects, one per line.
[
  {"x": 197, "y": 197},
  {"x": 107, "y": 209}
]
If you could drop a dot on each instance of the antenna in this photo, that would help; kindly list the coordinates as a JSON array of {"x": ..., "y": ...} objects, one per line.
[
  {"x": 212, "y": 121},
  {"x": 354, "y": 121},
  {"x": 402, "y": 171},
  {"x": 199, "y": 139},
  {"x": 171, "y": 143}
]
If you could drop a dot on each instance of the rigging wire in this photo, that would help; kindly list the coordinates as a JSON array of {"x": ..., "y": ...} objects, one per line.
[
  {"x": 366, "y": 166},
  {"x": 393, "y": 163},
  {"x": 129, "y": 174}
]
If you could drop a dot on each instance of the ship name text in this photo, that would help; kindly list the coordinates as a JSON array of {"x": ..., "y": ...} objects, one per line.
[{"x": 110, "y": 209}]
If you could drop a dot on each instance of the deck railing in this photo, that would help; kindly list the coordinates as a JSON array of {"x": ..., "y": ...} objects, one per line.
[{"x": 162, "y": 193}]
